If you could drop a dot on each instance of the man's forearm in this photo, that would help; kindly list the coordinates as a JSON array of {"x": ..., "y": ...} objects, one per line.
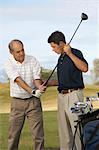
[
  {"x": 81, "y": 65},
  {"x": 23, "y": 84}
]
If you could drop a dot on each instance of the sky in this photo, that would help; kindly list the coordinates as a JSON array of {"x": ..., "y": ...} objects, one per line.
[{"x": 32, "y": 21}]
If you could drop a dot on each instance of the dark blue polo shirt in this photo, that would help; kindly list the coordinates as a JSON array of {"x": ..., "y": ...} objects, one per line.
[{"x": 69, "y": 76}]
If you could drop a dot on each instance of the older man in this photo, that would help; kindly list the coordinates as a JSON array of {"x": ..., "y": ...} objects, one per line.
[{"x": 24, "y": 74}]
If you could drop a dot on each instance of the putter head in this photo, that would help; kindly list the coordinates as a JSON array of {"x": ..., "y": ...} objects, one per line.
[{"x": 84, "y": 16}]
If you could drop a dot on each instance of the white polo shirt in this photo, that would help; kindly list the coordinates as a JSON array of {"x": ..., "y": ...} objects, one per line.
[{"x": 28, "y": 70}]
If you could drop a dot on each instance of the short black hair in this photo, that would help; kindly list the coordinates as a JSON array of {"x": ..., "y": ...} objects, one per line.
[
  {"x": 10, "y": 46},
  {"x": 56, "y": 37}
]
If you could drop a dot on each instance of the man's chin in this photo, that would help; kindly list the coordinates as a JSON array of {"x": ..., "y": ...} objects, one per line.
[
  {"x": 21, "y": 60},
  {"x": 59, "y": 53}
]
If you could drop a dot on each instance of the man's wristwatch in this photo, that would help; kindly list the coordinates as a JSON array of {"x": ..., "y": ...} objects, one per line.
[
  {"x": 36, "y": 93},
  {"x": 33, "y": 92}
]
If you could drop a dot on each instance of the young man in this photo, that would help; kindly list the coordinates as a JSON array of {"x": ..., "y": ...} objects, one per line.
[
  {"x": 24, "y": 74},
  {"x": 70, "y": 66}
]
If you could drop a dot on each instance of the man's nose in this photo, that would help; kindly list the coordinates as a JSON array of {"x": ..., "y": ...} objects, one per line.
[{"x": 22, "y": 53}]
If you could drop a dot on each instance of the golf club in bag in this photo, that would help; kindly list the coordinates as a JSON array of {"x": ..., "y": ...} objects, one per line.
[{"x": 83, "y": 17}]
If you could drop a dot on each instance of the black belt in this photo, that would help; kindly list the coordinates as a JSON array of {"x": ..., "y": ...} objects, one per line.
[
  {"x": 69, "y": 90},
  {"x": 23, "y": 98}
]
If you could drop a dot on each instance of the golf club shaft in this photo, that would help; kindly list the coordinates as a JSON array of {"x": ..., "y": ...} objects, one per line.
[
  {"x": 75, "y": 32},
  {"x": 50, "y": 76}
]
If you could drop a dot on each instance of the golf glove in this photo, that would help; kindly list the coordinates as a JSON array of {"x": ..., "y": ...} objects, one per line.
[{"x": 37, "y": 93}]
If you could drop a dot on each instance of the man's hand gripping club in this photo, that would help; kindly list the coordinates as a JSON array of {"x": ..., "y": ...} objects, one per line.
[{"x": 37, "y": 93}]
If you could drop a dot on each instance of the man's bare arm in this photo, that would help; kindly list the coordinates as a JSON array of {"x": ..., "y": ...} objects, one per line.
[{"x": 23, "y": 84}]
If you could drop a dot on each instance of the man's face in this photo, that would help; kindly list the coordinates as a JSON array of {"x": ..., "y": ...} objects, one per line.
[
  {"x": 18, "y": 52},
  {"x": 56, "y": 48}
]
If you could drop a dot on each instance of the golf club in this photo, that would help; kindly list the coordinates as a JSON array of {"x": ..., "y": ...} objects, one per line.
[{"x": 83, "y": 17}]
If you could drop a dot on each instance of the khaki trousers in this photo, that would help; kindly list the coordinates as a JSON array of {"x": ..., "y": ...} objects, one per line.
[
  {"x": 66, "y": 120},
  {"x": 20, "y": 109}
]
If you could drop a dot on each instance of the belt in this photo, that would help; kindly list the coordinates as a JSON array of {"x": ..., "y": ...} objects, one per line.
[
  {"x": 23, "y": 98},
  {"x": 69, "y": 90}
]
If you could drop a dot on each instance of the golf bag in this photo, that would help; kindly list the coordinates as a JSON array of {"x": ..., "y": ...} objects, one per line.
[
  {"x": 91, "y": 135},
  {"x": 90, "y": 125}
]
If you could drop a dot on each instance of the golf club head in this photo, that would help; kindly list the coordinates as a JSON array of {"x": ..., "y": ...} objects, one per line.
[{"x": 84, "y": 16}]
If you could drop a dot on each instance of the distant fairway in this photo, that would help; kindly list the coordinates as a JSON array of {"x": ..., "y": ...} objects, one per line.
[{"x": 49, "y": 98}]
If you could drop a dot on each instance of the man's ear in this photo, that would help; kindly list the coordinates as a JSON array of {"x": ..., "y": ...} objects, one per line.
[
  {"x": 61, "y": 44},
  {"x": 11, "y": 51}
]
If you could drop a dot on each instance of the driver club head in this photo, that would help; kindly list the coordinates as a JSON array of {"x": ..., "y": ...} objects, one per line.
[{"x": 84, "y": 16}]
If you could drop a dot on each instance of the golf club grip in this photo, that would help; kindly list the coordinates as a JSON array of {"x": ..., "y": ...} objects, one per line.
[{"x": 50, "y": 76}]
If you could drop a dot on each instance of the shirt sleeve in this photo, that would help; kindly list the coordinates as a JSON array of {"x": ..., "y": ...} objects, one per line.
[
  {"x": 36, "y": 69},
  {"x": 11, "y": 71},
  {"x": 82, "y": 58},
  {"x": 80, "y": 55}
]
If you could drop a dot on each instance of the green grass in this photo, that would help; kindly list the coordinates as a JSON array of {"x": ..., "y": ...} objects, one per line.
[
  {"x": 50, "y": 118},
  {"x": 50, "y": 130}
]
